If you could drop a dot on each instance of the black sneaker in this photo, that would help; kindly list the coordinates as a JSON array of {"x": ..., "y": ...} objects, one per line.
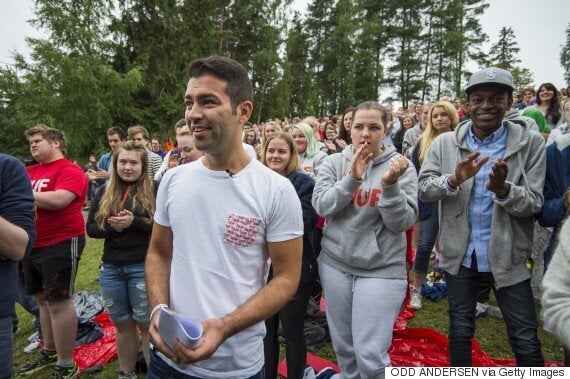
[
  {"x": 60, "y": 372},
  {"x": 44, "y": 360}
]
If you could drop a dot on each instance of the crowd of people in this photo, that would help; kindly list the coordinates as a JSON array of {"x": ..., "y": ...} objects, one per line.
[{"x": 238, "y": 224}]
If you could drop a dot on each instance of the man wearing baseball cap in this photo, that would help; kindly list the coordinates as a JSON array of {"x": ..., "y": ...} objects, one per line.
[{"x": 488, "y": 175}]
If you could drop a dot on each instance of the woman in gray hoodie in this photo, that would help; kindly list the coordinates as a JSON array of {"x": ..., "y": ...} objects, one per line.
[{"x": 368, "y": 194}]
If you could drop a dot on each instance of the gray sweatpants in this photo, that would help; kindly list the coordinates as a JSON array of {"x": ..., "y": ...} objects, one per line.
[{"x": 361, "y": 313}]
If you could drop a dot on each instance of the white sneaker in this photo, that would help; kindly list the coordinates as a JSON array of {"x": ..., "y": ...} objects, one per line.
[
  {"x": 33, "y": 336},
  {"x": 415, "y": 298},
  {"x": 327, "y": 373},
  {"x": 481, "y": 309},
  {"x": 309, "y": 373},
  {"x": 34, "y": 344}
]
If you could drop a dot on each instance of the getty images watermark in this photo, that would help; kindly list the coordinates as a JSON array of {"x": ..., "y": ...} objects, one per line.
[{"x": 478, "y": 372}]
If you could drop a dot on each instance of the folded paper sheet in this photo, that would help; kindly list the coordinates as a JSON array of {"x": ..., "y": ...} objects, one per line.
[{"x": 172, "y": 325}]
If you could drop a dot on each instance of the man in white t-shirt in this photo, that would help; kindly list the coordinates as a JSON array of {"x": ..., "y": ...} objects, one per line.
[{"x": 218, "y": 221}]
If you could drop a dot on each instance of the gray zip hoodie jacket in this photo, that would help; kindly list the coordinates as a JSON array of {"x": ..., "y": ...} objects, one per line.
[
  {"x": 512, "y": 223},
  {"x": 364, "y": 232}
]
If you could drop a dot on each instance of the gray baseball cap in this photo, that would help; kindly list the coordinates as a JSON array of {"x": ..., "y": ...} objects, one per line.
[{"x": 490, "y": 75}]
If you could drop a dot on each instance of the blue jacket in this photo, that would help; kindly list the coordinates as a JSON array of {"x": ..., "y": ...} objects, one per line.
[
  {"x": 17, "y": 207},
  {"x": 304, "y": 187},
  {"x": 556, "y": 182}
]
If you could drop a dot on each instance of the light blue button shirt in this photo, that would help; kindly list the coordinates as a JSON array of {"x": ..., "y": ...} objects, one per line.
[
  {"x": 481, "y": 199},
  {"x": 105, "y": 161}
]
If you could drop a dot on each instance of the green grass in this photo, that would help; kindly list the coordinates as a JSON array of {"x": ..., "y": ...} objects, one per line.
[{"x": 491, "y": 332}]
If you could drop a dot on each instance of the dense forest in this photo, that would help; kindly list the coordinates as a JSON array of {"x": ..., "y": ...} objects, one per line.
[{"x": 122, "y": 62}]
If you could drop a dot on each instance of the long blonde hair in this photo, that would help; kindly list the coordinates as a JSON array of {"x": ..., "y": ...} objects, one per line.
[
  {"x": 430, "y": 133},
  {"x": 117, "y": 191}
]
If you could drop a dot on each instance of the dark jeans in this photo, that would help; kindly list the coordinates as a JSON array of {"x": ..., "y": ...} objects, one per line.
[
  {"x": 6, "y": 347},
  {"x": 484, "y": 289},
  {"x": 159, "y": 369},
  {"x": 292, "y": 317},
  {"x": 549, "y": 251},
  {"x": 517, "y": 307},
  {"x": 428, "y": 234}
]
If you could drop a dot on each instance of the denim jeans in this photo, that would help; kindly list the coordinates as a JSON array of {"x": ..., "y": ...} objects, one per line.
[
  {"x": 6, "y": 347},
  {"x": 428, "y": 234},
  {"x": 159, "y": 369},
  {"x": 517, "y": 307},
  {"x": 123, "y": 289},
  {"x": 549, "y": 251}
]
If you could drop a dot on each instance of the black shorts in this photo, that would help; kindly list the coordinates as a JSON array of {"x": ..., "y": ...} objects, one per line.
[{"x": 52, "y": 269}]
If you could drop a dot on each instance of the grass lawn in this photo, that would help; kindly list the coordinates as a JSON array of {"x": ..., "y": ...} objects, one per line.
[{"x": 491, "y": 331}]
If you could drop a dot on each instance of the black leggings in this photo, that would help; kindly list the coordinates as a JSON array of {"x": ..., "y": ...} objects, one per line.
[{"x": 292, "y": 317}]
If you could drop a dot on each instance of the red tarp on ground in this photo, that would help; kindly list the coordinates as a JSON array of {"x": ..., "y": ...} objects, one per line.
[
  {"x": 99, "y": 352},
  {"x": 410, "y": 347},
  {"x": 419, "y": 347}
]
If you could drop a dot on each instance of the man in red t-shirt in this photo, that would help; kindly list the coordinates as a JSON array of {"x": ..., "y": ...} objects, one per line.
[{"x": 60, "y": 188}]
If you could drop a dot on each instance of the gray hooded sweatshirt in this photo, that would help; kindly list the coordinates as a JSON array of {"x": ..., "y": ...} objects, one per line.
[
  {"x": 512, "y": 223},
  {"x": 366, "y": 222}
]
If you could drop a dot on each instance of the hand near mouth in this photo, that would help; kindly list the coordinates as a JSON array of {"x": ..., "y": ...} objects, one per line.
[{"x": 359, "y": 162}]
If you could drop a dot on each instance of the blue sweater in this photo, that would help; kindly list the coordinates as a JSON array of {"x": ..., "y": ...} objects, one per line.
[
  {"x": 17, "y": 207},
  {"x": 304, "y": 187},
  {"x": 556, "y": 182}
]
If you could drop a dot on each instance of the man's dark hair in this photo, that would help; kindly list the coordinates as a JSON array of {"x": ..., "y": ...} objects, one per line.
[
  {"x": 239, "y": 87},
  {"x": 117, "y": 130}
]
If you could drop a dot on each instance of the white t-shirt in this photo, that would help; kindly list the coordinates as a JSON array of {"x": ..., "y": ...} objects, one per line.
[{"x": 221, "y": 225}]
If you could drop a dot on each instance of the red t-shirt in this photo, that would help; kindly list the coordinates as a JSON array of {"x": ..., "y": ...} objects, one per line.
[{"x": 62, "y": 224}]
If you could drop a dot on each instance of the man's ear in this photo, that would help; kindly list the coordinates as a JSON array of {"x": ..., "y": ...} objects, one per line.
[{"x": 244, "y": 111}]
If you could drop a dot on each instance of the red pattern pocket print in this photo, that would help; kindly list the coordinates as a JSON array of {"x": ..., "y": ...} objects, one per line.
[{"x": 241, "y": 230}]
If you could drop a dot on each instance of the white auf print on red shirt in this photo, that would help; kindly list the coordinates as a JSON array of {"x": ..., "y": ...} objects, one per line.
[{"x": 241, "y": 230}]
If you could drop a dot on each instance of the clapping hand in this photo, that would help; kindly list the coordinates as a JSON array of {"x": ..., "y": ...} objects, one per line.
[
  {"x": 497, "y": 178},
  {"x": 121, "y": 221},
  {"x": 341, "y": 143},
  {"x": 398, "y": 166},
  {"x": 360, "y": 161},
  {"x": 468, "y": 167},
  {"x": 330, "y": 146}
]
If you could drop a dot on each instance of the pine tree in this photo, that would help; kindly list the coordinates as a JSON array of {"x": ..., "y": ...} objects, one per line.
[
  {"x": 467, "y": 36},
  {"x": 296, "y": 70},
  {"x": 406, "y": 39},
  {"x": 522, "y": 78},
  {"x": 503, "y": 53},
  {"x": 319, "y": 23},
  {"x": 370, "y": 48},
  {"x": 151, "y": 35},
  {"x": 565, "y": 56}
]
